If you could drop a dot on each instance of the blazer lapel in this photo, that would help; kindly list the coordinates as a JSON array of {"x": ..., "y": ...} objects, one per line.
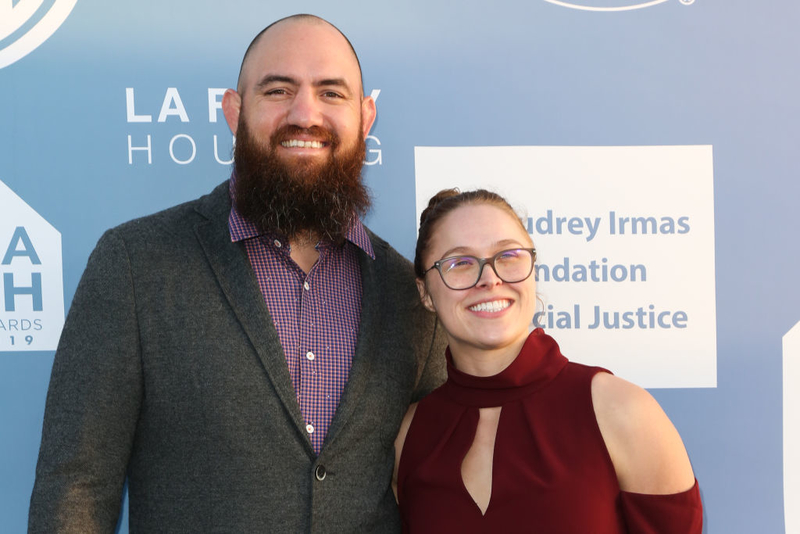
[
  {"x": 366, "y": 346},
  {"x": 236, "y": 278}
]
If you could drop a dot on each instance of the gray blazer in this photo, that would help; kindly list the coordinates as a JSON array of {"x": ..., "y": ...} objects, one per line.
[{"x": 169, "y": 372}]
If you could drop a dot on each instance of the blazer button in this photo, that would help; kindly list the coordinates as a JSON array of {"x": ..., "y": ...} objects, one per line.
[{"x": 320, "y": 473}]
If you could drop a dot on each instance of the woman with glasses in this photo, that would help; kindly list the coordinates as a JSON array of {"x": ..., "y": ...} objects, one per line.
[{"x": 519, "y": 439}]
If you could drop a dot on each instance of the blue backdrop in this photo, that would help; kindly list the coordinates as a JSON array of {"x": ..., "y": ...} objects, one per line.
[{"x": 76, "y": 146}]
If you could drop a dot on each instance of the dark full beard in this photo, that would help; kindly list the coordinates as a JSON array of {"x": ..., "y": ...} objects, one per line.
[{"x": 294, "y": 199}]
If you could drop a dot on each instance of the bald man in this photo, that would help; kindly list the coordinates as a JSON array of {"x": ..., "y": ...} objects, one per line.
[{"x": 243, "y": 361}]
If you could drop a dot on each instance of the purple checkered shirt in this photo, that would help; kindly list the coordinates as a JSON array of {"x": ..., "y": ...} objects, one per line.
[{"x": 317, "y": 315}]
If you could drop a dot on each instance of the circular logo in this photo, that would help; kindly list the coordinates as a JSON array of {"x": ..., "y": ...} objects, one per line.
[
  {"x": 13, "y": 17},
  {"x": 619, "y": 5}
]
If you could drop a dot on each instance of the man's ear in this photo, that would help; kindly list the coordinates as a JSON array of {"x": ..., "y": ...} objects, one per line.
[
  {"x": 424, "y": 296},
  {"x": 231, "y": 106},
  {"x": 368, "y": 114}
]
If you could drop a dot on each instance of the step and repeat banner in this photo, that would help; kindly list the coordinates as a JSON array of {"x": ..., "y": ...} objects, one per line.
[{"x": 649, "y": 147}]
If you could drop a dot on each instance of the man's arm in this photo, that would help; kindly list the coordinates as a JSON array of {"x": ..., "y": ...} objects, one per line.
[
  {"x": 431, "y": 366},
  {"x": 92, "y": 402}
]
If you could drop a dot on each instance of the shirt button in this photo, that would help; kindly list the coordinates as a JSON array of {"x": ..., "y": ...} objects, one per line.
[
  {"x": 310, "y": 429},
  {"x": 320, "y": 473},
  {"x": 310, "y": 355},
  {"x": 277, "y": 243},
  {"x": 306, "y": 286}
]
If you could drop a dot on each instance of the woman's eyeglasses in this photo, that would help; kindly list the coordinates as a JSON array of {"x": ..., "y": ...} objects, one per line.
[{"x": 463, "y": 272}]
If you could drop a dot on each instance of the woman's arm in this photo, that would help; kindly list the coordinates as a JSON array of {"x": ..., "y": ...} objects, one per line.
[
  {"x": 646, "y": 450},
  {"x": 399, "y": 441}
]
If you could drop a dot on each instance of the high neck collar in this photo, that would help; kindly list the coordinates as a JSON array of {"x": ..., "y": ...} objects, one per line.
[{"x": 538, "y": 362}]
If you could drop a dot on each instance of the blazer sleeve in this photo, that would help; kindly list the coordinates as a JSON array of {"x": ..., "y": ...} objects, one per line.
[
  {"x": 432, "y": 370},
  {"x": 93, "y": 402}
]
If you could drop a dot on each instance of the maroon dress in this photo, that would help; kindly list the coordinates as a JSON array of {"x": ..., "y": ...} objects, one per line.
[{"x": 551, "y": 473}]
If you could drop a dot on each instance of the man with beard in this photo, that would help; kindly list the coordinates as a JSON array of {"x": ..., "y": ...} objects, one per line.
[{"x": 243, "y": 361}]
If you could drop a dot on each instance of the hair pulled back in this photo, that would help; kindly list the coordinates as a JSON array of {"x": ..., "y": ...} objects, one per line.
[{"x": 444, "y": 202}]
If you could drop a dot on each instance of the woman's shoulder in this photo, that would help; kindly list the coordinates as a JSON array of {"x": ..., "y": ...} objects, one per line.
[{"x": 645, "y": 448}]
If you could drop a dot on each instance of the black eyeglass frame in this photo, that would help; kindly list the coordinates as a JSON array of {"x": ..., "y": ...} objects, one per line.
[{"x": 481, "y": 263}]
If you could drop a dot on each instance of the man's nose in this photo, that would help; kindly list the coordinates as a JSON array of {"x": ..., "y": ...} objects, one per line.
[{"x": 305, "y": 110}]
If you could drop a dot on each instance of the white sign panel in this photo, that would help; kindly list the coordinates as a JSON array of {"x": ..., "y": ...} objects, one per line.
[
  {"x": 791, "y": 429},
  {"x": 31, "y": 280},
  {"x": 625, "y": 241}
]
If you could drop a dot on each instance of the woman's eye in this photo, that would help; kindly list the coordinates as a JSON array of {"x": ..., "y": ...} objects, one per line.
[
  {"x": 508, "y": 255},
  {"x": 461, "y": 263}
]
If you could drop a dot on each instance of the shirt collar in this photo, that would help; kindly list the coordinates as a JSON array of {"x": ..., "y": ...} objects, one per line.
[{"x": 241, "y": 229}]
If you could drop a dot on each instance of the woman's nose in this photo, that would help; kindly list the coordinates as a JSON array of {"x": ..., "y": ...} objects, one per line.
[{"x": 488, "y": 276}]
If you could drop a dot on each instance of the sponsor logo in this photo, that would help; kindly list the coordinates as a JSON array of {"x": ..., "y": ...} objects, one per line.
[
  {"x": 31, "y": 279},
  {"x": 13, "y": 17},
  {"x": 374, "y": 153},
  {"x": 152, "y": 120},
  {"x": 608, "y": 5}
]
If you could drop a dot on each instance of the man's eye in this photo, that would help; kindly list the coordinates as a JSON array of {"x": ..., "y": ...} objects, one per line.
[
  {"x": 332, "y": 94},
  {"x": 275, "y": 92}
]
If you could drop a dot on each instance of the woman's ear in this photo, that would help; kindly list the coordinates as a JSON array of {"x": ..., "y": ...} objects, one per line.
[{"x": 424, "y": 296}]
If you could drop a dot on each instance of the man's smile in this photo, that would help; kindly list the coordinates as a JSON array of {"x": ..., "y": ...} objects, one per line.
[{"x": 299, "y": 143}]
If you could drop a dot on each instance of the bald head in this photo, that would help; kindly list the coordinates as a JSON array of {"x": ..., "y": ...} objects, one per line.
[
  {"x": 300, "y": 72},
  {"x": 298, "y": 19}
]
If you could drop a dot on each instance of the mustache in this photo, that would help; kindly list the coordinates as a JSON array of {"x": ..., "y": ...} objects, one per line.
[{"x": 291, "y": 131}]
